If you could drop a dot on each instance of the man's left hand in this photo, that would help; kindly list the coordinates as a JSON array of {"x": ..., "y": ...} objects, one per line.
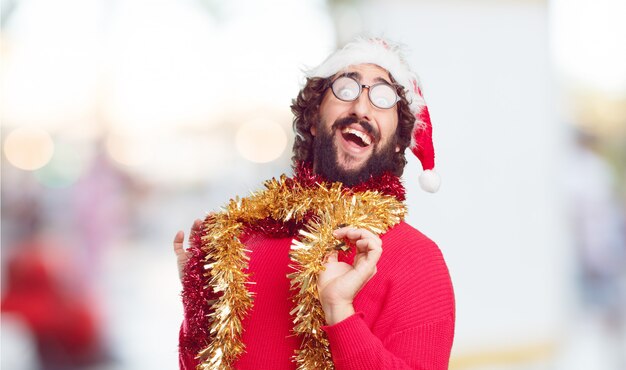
[{"x": 339, "y": 283}]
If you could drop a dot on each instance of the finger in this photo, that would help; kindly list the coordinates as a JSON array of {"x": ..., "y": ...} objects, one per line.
[
  {"x": 356, "y": 234},
  {"x": 331, "y": 257},
  {"x": 353, "y": 233},
  {"x": 368, "y": 244},
  {"x": 366, "y": 266},
  {"x": 371, "y": 249},
  {"x": 196, "y": 227},
  {"x": 178, "y": 242},
  {"x": 342, "y": 232},
  {"x": 365, "y": 239}
]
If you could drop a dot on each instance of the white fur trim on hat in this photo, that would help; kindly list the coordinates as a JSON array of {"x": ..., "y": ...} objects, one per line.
[{"x": 373, "y": 51}]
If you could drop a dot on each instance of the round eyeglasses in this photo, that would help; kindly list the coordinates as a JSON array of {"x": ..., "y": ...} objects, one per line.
[{"x": 382, "y": 95}]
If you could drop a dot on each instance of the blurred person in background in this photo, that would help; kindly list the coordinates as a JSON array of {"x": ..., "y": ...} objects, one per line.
[
  {"x": 102, "y": 201},
  {"x": 599, "y": 225},
  {"x": 42, "y": 292},
  {"x": 351, "y": 305}
]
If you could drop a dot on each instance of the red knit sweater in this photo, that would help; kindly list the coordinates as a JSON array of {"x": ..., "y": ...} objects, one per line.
[{"x": 404, "y": 320}]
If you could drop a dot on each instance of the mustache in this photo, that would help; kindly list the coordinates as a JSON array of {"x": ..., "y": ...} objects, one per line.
[{"x": 342, "y": 123}]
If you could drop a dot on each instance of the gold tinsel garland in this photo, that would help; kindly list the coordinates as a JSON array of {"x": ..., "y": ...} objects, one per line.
[{"x": 226, "y": 260}]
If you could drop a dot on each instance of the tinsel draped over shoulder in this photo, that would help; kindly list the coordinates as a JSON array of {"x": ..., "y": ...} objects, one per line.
[{"x": 306, "y": 207}]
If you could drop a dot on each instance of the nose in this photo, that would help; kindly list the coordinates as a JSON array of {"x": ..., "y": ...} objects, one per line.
[{"x": 362, "y": 107}]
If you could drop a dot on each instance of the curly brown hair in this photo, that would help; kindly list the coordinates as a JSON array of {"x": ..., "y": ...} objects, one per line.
[{"x": 306, "y": 107}]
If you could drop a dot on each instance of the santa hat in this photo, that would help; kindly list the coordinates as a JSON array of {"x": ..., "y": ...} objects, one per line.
[{"x": 389, "y": 56}]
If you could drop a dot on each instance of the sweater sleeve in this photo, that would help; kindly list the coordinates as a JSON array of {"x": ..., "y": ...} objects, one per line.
[
  {"x": 405, "y": 313},
  {"x": 354, "y": 347}
]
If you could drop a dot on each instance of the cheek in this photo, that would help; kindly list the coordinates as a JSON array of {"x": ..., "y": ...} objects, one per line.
[
  {"x": 321, "y": 115},
  {"x": 331, "y": 109},
  {"x": 389, "y": 130}
]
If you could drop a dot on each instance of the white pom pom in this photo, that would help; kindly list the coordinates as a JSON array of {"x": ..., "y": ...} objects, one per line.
[{"x": 430, "y": 181}]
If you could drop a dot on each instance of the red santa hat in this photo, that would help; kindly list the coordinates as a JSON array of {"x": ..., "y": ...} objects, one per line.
[{"x": 390, "y": 57}]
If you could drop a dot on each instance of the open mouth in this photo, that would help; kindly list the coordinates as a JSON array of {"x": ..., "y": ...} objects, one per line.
[{"x": 360, "y": 138}]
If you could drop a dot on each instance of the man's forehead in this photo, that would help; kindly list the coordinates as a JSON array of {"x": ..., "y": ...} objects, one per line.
[{"x": 367, "y": 71}]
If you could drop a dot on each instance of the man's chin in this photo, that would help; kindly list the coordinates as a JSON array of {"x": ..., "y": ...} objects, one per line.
[
  {"x": 351, "y": 168},
  {"x": 349, "y": 177}
]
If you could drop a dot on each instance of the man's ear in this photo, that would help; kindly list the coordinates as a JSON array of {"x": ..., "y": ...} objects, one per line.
[
  {"x": 313, "y": 130},
  {"x": 397, "y": 149}
]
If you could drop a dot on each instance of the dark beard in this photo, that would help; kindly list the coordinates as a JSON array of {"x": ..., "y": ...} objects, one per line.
[{"x": 325, "y": 156}]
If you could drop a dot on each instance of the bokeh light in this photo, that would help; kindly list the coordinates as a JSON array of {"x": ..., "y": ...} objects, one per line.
[
  {"x": 28, "y": 148},
  {"x": 66, "y": 165},
  {"x": 261, "y": 140},
  {"x": 129, "y": 150}
]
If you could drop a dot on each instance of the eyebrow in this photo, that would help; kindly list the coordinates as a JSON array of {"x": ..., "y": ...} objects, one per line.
[{"x": 357, "y": 76}]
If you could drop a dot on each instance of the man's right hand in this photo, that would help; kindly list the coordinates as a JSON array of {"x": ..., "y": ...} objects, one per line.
[{"x": 182, "y": 255}]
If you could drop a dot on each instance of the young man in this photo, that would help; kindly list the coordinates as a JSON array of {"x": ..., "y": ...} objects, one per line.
[{"x": 320, "y": 271}]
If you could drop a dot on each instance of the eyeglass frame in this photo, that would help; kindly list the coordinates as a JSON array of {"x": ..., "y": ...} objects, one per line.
[{"x": 369, "y": 90}]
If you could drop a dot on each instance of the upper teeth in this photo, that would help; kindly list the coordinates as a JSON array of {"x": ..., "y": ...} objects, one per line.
[{"x": 362, "y": 135}]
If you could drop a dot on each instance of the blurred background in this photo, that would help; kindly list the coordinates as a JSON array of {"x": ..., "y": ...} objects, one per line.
[{"x": 123, "y": 121}]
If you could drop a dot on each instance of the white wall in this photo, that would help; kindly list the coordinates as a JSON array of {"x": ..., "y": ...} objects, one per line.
[{"x": 486, "y": 74}]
